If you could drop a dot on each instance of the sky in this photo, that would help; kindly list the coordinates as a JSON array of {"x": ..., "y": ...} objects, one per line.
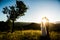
[{"x": 36, "y": 10}]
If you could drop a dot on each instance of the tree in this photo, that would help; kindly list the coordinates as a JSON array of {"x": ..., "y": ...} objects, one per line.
[{"x": 13, "y": 12}]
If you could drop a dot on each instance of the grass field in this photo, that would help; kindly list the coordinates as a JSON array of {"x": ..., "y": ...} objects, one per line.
[{"x": 27, "y": 35}]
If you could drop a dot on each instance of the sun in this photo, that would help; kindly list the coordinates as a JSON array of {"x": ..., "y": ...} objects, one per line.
[
  {"x": 47, "y": 16},
  {"x": 45, "y": 19}
]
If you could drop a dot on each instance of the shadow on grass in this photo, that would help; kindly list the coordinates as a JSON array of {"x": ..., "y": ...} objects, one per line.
[{"x": 44, "y": 38}]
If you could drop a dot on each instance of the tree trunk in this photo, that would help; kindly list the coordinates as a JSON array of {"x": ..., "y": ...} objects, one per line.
[{"x": 13, "y": 26}]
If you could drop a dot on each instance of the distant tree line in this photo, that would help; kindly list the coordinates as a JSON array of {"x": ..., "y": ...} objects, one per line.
[{"x": 31, "y": 26}]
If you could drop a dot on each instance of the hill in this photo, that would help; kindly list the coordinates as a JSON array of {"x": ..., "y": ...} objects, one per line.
[{"x": 27, "y": 26}]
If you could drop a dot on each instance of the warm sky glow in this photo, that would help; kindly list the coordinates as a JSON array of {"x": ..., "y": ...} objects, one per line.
[
  {"x": 45, "y": 19},
  {"x": 37, "y": 10}
]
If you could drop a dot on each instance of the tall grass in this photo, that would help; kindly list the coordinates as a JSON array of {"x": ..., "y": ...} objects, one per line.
[
  {"x": 27, "y": 35},
  {"x": 55, "y": 35}
]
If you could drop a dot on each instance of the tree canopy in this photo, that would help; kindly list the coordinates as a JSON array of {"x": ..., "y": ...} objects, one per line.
[{"x": 13, "y": 12}]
